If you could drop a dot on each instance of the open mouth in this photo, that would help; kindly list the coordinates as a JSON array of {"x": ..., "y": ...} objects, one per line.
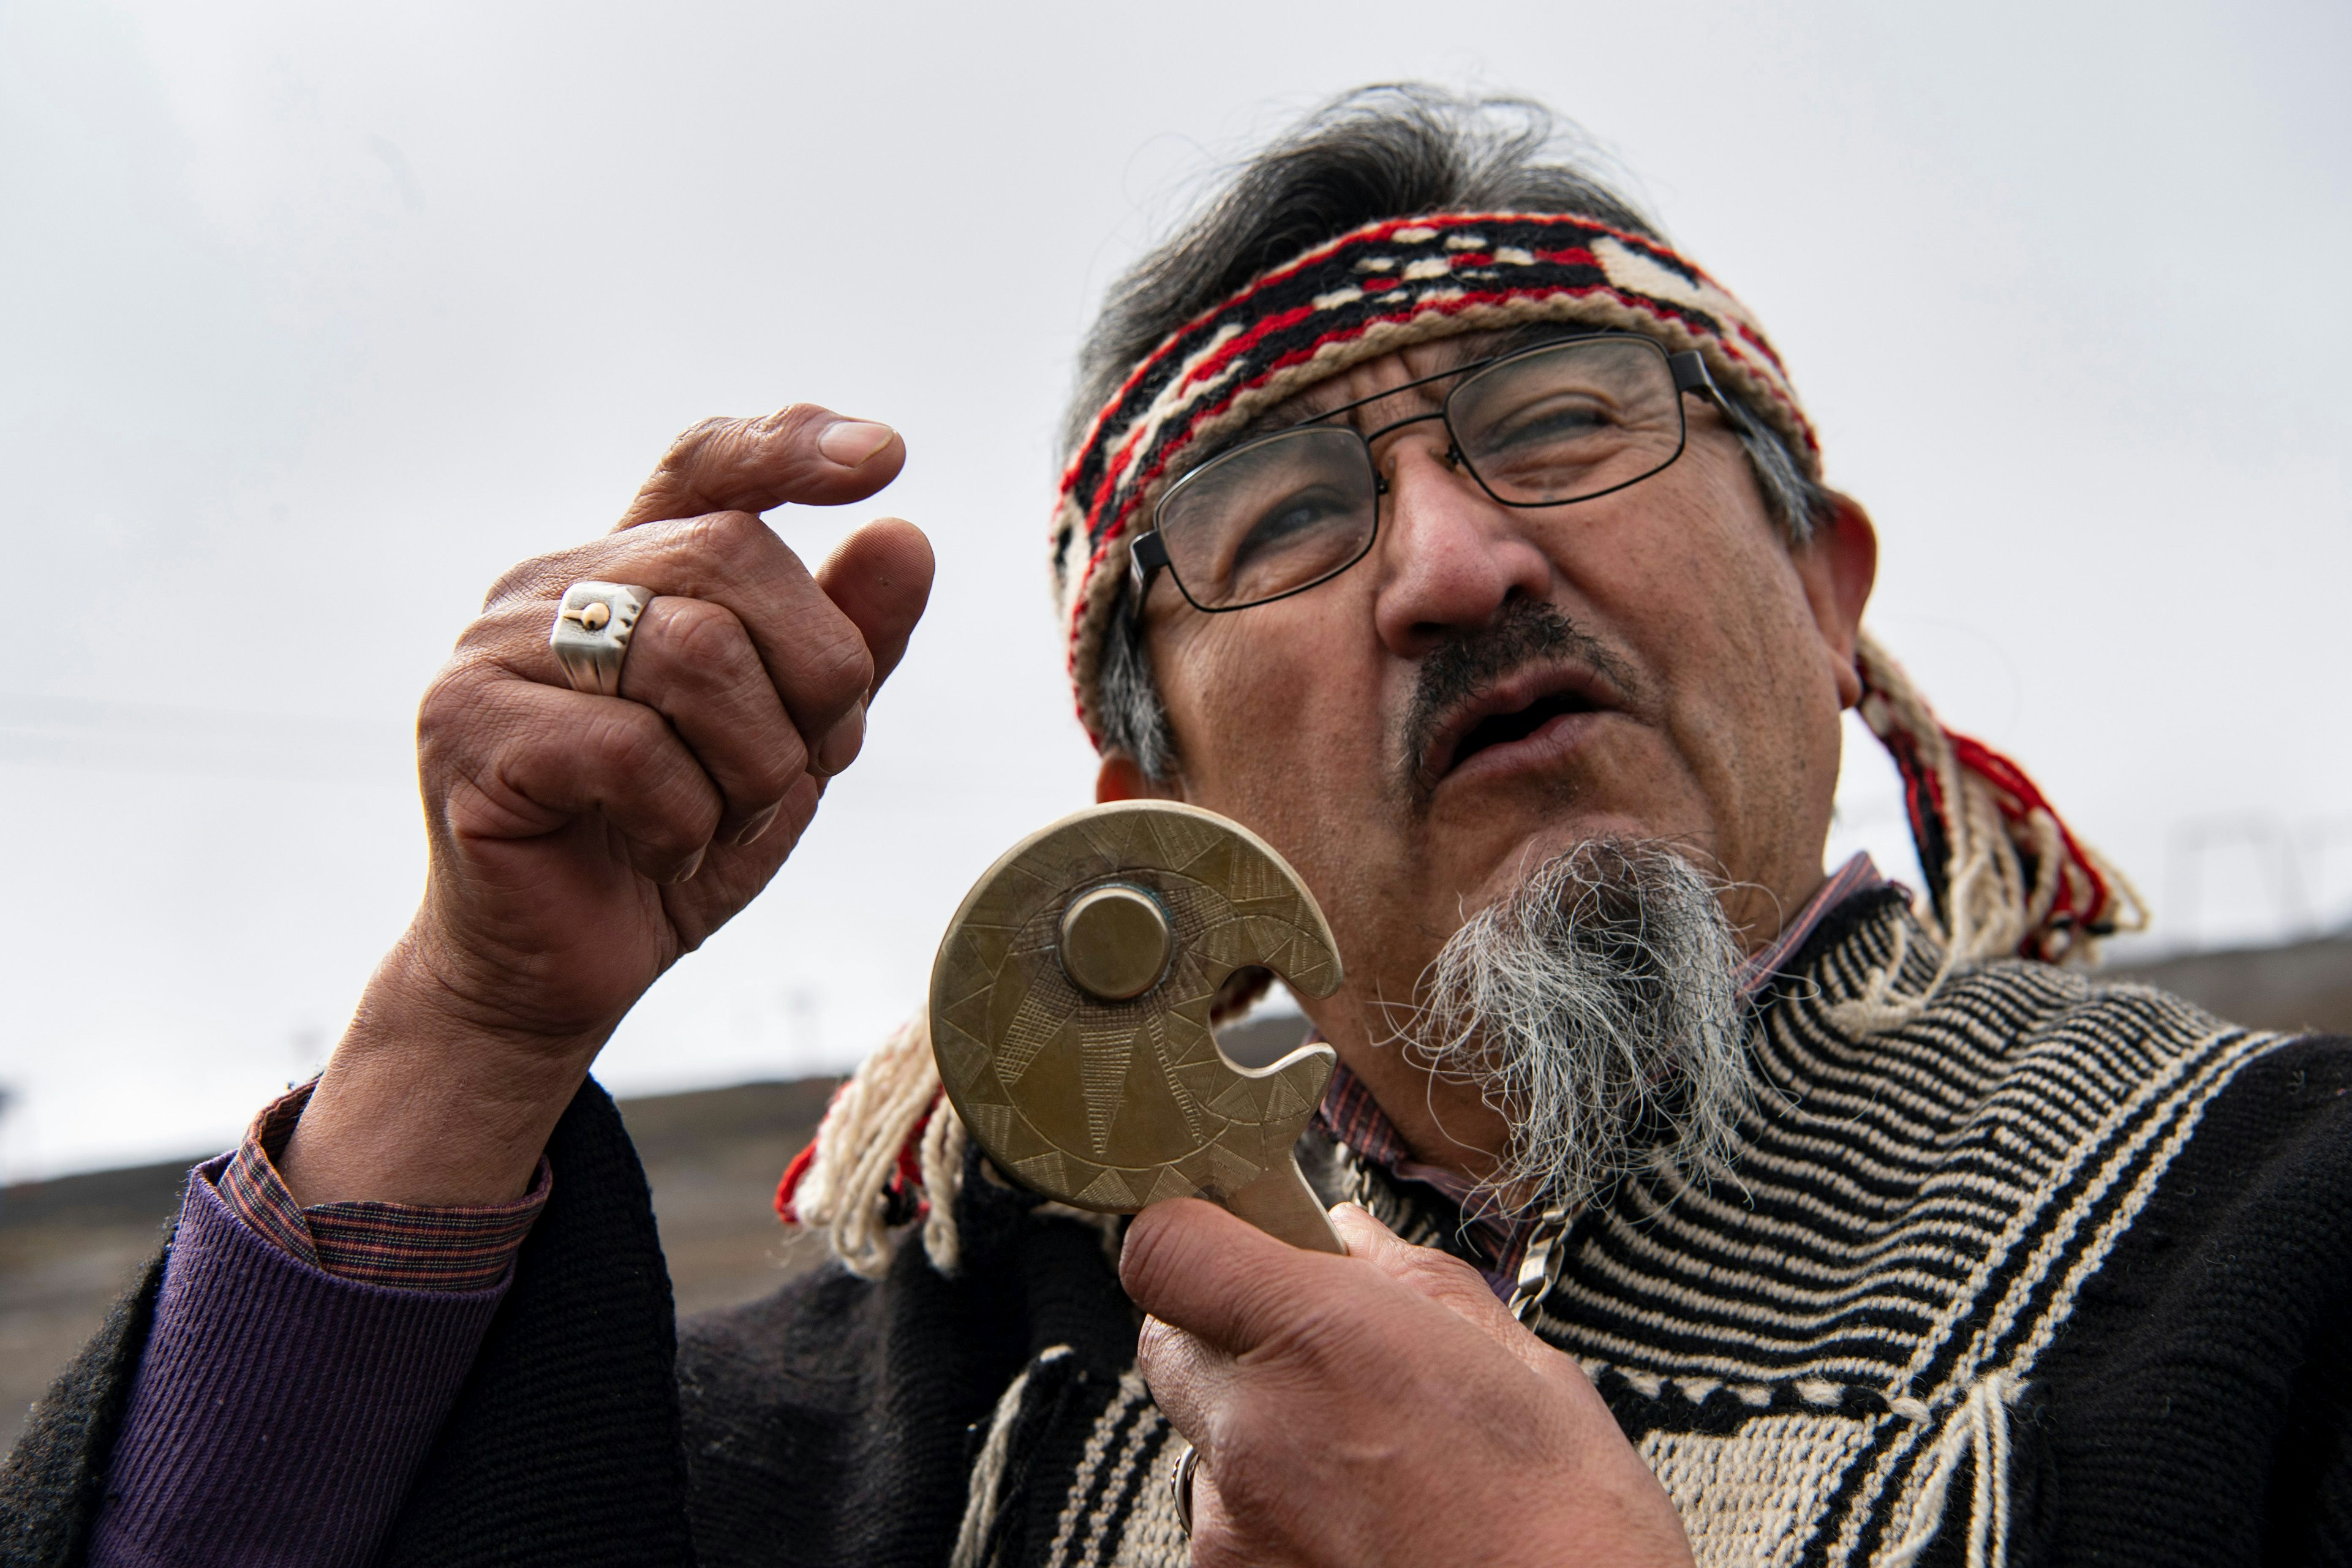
[
  {"x": 1502, "y": 728},
  {"x": 1509, "y": 712}
]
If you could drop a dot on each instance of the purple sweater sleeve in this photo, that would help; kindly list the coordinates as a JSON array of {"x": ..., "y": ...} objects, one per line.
[{"x": 280, "y": 1412}]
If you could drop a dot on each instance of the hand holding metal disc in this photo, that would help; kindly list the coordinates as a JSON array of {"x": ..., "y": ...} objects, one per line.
[{"x": 1070, "y": 1015}]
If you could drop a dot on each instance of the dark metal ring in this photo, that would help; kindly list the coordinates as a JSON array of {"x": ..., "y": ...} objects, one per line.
[{"x": 1181, "y": 1483}]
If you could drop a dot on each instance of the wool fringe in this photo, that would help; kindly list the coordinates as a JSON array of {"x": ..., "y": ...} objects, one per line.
[
  {"x": 2003, "y": 874},
  {"x": 1978, "y": 1430},
  {"x": 984, "y": 1495},
  {"x": 892, "y": 1114}
]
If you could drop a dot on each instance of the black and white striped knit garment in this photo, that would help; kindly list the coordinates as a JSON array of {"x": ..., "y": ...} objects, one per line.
[{"x": 1834, "y": 1350}]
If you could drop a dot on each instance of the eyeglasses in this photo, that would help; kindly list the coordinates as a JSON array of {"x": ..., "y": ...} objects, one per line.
[{"x": 1550, "y": 425}]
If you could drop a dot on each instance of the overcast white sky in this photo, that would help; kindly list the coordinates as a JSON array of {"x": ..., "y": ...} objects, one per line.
[{"x": 314, "y": 318}]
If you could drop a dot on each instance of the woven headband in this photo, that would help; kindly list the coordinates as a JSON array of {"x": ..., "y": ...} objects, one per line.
[
  {"x": 1368, "y": 293},
  {"x": 1403, "y": 281}
]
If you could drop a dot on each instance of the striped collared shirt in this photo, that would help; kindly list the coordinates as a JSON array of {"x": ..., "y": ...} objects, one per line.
[{"x": 406, "y": 1246}]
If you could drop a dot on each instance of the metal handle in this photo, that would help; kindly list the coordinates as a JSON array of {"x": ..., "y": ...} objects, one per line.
[{"x": 1282, "y": 1204}]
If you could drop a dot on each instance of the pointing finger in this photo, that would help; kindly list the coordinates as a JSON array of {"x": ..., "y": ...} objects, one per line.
[{"x": 802, "y": 453}]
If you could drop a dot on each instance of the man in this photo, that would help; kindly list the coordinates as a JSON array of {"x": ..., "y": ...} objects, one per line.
[{"x": 1429, "y": 515}]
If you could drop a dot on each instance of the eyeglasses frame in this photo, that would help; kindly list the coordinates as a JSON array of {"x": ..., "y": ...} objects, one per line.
[{"x": 1148, "y": 555}]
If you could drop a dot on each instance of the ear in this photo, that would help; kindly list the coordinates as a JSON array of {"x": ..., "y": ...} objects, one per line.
[
  {"x": 1119, "y": 778},
  {"x": 1837, "y": 565}
]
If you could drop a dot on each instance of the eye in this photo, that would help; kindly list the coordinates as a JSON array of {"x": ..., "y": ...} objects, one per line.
[
  {"x": 1285, "y": 525},
  {"x": 1562, "y": 417},
  {"x": 1270, "y": 516}
]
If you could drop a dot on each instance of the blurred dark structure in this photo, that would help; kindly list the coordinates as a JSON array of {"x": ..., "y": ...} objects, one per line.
[
  {"x": 2299, "y": 985},
  {"x": 67, "y": 1247}
]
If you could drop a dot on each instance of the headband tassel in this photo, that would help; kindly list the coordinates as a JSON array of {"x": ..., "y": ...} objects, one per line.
[{"x": 2005, "y": 877}]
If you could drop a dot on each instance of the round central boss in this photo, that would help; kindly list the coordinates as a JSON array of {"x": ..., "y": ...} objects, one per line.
[{"x": 1115, "y": 943}]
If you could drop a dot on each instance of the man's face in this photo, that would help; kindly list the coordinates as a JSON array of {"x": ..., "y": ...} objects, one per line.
[{"x": 1491, "y": 686}]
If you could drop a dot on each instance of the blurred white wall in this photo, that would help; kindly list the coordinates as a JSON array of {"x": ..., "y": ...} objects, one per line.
[{"x": 312, "y": 319}]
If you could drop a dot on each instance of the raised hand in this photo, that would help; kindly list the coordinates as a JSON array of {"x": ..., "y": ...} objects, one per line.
[
  {"x": 1377, "y": 1409},
  {"x": 579, "y": 843}
]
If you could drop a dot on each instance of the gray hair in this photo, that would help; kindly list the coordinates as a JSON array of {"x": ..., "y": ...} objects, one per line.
[
  {"x": 1378, "y": 153},
  {"x": 1598, "y": 1008}
]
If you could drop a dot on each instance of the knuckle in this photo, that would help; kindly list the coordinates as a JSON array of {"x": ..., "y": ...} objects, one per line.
[
  {"x": 1317, "y": 1343},
  {"x": 504, "y": 639},
  {"x": 1253, "y": 1435},
  {"x": 1441, "y": 1270},
  {"x": 704, "y": 639},
  {"x": 734, "y": 531},
  {"x": 540, "y": 577},
  {"x": 632, "y": 741},
  {"x": 1249, "y": 1423},
  {"x": 697, "y": 436},
  {"x": 786, "y": 765},
  {"x": 795, "y": 424},
  {"x": 704, "y": 646},
  {"x": 727, "y": 540},
  {"x": 700, "y": 448},
  {"x": 774, "y": 774},
  {"x": 837, "y": 667},
  {"x": 733, "y": 458},
  {"x": 678, "y": 811},
  {"x": 633, "y": 744},
  {"x": 509, "y": 583},
  {"x": 450, "y": 707}
]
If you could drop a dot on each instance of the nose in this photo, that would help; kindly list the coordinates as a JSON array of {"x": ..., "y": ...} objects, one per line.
[{"x": 1451, "y": 556}]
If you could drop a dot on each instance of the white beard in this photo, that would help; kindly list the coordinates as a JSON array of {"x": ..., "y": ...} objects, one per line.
[{"x": 1597, "y": 1008}]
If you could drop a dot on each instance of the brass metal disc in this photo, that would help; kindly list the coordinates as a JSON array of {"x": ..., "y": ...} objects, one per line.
[{"x": 1112, "y": 1103}]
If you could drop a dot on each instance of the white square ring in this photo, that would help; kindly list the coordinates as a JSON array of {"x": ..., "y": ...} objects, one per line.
[{"x": 591, "y": 636}]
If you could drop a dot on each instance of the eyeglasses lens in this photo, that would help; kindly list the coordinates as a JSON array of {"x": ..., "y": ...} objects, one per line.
[
  {"x": 1569, "y": 422},
  {"x": 1565, "y": 423},
  {"x": 1271, "y": 517}
]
